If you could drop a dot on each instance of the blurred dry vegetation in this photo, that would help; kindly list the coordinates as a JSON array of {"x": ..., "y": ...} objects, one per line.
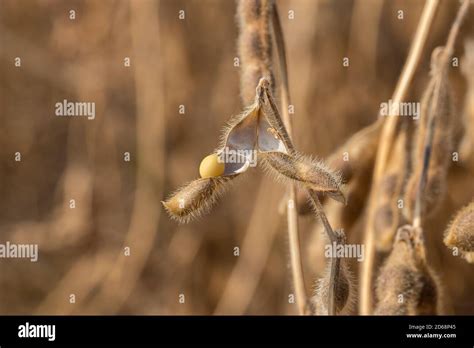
[{"x": 184, "y": 62}]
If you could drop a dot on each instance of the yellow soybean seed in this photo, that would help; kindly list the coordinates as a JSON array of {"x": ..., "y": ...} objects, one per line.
[{"x": 211, "y": 167}]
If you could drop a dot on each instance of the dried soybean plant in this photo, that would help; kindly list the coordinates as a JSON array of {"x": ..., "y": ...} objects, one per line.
[
  {"x": 315, "y": 177},
  {"x": 341, "y": 283},
  {"x": 433, "y": 145},
  {"x": 388, "y": 133},
  {"x": 406, "y": 283},
  {"x": 426, "y": 158},
  {"x": 397, "y": 167},
  {"x": 260, "y": 130}
]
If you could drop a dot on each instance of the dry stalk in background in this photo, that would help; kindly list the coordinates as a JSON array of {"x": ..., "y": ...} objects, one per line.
[
  {"x": 292, "y": 214},
  {"x": 422, "y": 291},
  {"x": 388, "y": 132},
  {"x": 364, "y": 42},
  {"x": 433, "y": 146},
  {"x": 436, "y": 140},
  {"x": 246, "y": 274},
  {"x": 121, "y": 279}
]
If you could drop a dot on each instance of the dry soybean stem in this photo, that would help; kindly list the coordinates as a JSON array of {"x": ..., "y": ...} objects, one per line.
[
  {"x": 388, "y": 132},
  {"x": 293, "y": 235},
  {"x": 313, "y": 197},
  {"x": 291, "y": 209},
  {"x": 443, "y": 63},
  {"x": 334, "y": 261},
  {"x": 314, "y": 200}
]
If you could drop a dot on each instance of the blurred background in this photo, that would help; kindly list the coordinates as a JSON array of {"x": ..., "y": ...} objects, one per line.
[{"x": 117, "y": 251}]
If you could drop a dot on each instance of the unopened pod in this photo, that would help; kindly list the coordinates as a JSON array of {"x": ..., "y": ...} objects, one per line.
[{"x": 406, "y": 284}]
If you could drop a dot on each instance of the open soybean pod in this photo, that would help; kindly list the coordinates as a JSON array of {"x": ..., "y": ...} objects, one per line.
[
  {"x": 242, "y": 137},
  {"x": 246, "y": 134},
  {"x": 288, "y": 164}
]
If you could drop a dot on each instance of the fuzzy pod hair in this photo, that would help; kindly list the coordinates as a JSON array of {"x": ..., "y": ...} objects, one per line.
[
  {"x": 460, "y": 233},
  {"x": 254, "y": 45},
  {"x": 344, "y": 291},
  {"x": 440, "y": 146},
  {"x": 406, "y": 285},
  {"x": 196, "y": 198},
  {"x": 304, "y": 170},
  {"x": 272, "y": 115}
]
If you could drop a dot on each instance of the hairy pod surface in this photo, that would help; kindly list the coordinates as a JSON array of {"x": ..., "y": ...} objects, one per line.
[
  {"x": 344, "y": 285},
  {"x": 436, "y": 141},
  {"x": 460, "y": 233},
  {"x": 196, "y": 198},
  {"x": 304, "y": 170},
  {"x": 254, "y": 45},
  {"x": 406, "y": 285}
]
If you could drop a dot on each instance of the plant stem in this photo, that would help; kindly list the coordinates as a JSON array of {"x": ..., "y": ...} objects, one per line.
[
  {"x": 441, "y": 69},
  {"x": 276, "y": 118},
  {"x": 292, "y": 216},
  {"x": 334, "y": 260},
  {"x": 388, "y": 134}
]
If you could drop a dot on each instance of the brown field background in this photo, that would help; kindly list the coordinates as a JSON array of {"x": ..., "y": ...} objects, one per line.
[{"x": 184, "y": 62}]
